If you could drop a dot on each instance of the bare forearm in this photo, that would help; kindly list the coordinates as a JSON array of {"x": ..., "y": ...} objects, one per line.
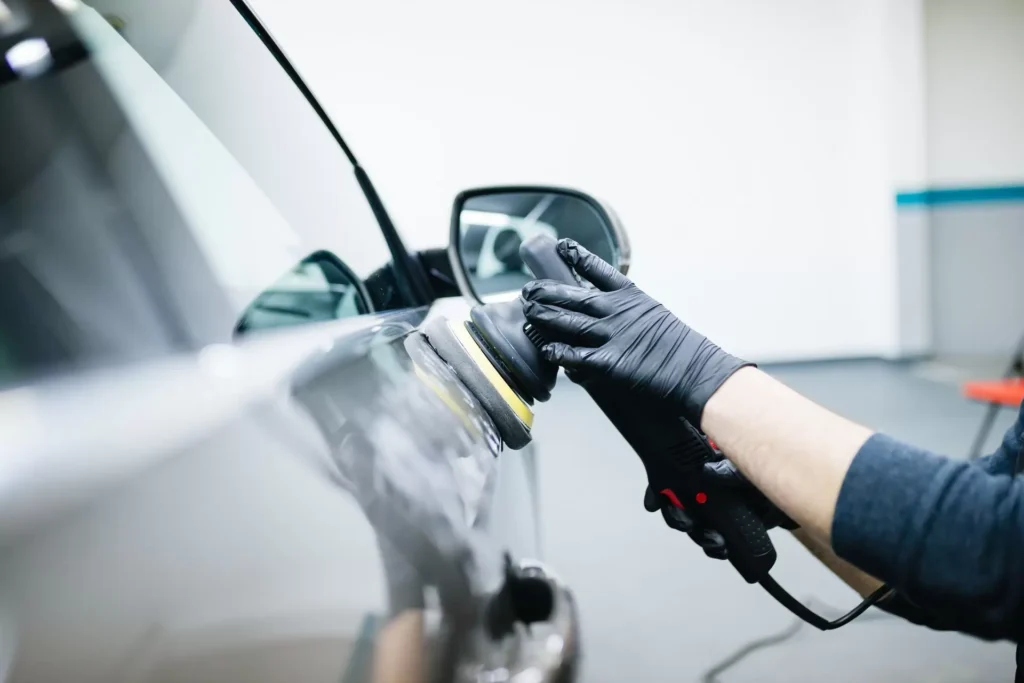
[
  {"x": 796, "y": 452},
  {"x": 859, "y": 581},
  {"x": 792, "y": 419}
]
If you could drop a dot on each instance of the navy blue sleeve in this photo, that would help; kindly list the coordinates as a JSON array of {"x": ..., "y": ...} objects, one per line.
[
  {"x": 1004, "y": 460},
  {"x": 948, "y": 535}
]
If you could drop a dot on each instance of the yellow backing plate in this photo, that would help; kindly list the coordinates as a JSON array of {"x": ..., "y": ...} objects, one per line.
[{"x": 518, "y": 405}]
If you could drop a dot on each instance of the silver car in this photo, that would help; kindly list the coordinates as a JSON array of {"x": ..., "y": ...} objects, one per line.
[{"x": 227, "y": 453}]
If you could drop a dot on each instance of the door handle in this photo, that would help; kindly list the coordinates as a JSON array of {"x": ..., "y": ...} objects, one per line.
[{"x": 532, "y": 625}]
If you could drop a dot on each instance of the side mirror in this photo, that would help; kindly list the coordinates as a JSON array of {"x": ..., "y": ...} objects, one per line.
[{"x": 489, "y": 224}]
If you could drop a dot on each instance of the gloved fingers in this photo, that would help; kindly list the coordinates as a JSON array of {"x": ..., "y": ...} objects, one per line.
[
  {"x": 674, "y": 517},
  {"x": 712, "y": 543},
  {"x": 571, "y": 358},
  {"x": 580, "y": 377},
  {"x": 724, "y": 473},
  {"x": 775, "y": 517},
  {"x": 569, "y": 297},
  {"x": 558, "y": 324},
  {"x": 652, "y": 500},
  {"x": 677, "y": 519},
  {"x": 592, "y": 268}
]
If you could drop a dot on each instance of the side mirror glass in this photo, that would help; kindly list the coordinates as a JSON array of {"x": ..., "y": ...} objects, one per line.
[{"x": 489, "y": 224}]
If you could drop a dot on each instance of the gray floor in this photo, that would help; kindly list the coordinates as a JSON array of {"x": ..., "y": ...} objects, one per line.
[{"x": 655, "y": 609}]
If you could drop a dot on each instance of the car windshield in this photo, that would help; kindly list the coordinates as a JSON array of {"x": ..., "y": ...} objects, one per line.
[{"x": 154, "y": 181}]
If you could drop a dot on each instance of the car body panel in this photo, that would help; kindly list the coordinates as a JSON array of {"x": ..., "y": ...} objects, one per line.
[
  {"x": 315, "y": 502},
  {"x": 253, "y": 523}
]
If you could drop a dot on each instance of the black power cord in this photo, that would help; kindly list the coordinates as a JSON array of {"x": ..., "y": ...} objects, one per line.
[{"x": 811, "y": 617}]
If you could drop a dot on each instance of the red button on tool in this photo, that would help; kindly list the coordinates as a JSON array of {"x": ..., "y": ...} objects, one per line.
[{"x": 701, "y": 498}]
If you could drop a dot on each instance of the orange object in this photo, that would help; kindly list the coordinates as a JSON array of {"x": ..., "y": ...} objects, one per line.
[{"x": 1005, "y": 392}]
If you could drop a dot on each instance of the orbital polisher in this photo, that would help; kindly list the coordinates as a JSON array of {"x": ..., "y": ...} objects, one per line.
[
  {"x": 497, "y": 356},
  {"x": 496, "y": 353}
]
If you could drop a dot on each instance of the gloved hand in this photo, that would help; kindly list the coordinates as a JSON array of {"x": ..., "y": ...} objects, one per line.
[
  {"x": 616, "y": 333},
  {"x": 718, "y": 473}
]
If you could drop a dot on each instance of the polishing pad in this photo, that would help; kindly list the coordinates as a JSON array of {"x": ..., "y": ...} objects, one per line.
[{"x": 512, "y": 416}]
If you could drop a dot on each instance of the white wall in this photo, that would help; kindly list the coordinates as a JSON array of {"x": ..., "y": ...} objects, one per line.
[
  {"x": 906, "y": 96},
  {"x": 744, "y": 143},
  {"x": 907, "y": 143},
  {"x": 975, "y": 53},
  {"x": 975, "y": 105}
]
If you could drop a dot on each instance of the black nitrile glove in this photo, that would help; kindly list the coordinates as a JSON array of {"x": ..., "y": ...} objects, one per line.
[
  {"x": 617, "y": 334},
  {"x": 718, "y": 473},
  {"x": 711, "y": 541}
]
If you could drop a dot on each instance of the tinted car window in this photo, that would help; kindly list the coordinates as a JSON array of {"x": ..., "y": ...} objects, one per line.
[
  {"x": 153, "y": 191},
  {"x": 321, "y": 287}
]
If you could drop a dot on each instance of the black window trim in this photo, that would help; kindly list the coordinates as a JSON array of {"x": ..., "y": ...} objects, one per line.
[{"x": 410, "y": 276}]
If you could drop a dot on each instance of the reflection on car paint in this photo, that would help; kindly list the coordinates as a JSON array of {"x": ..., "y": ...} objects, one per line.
[
  {"x": 419, "y": 474},
  {"x": 443, "y": 376}
]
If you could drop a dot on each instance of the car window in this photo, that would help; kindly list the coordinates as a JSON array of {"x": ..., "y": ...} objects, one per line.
[
  {"x": 150, "y": 193},
  {"x": 210, "y": 96},
  {"x": 319, "y": 288}
]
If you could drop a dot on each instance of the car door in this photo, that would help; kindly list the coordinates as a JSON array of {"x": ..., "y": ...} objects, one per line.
[{"x": 229, "y": 455}]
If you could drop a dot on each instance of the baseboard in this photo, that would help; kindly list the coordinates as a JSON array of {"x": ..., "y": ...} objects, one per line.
[{"x": 835, "y": 361}]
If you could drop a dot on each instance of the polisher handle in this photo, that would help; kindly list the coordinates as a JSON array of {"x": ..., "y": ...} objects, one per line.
[
  {"x": 672, "y": 451},
  {"x": 540, "y": 255}
]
